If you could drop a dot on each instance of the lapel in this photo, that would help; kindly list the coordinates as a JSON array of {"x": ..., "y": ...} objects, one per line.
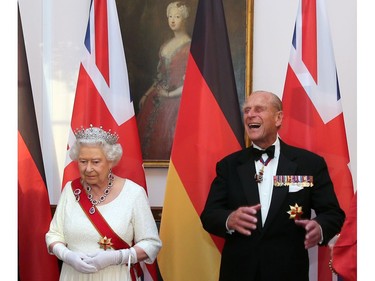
[{"x": 246, "y": 171}]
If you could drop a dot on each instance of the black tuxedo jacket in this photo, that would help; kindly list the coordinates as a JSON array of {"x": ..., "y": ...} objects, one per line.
[{"x": 275, "y": 251}]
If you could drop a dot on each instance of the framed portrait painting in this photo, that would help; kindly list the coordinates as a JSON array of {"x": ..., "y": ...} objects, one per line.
[{"x": 156, "y": 36}]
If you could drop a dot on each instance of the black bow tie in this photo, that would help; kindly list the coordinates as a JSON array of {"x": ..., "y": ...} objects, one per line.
[{"x": 258, "y": 153}]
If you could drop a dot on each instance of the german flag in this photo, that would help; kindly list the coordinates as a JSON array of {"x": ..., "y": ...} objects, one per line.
[
  {"x": 209, "y": 126},
  {"x": 34, "y": 213}
]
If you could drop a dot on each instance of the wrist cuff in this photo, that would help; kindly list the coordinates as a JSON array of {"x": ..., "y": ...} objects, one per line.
[{"x": 133, "y": 256}]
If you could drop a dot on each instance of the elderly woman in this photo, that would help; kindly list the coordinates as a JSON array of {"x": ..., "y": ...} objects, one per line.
[{"x": 103, "y": 223}]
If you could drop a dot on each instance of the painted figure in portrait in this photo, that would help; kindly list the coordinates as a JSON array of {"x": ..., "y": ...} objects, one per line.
[{"x": 158, "y": 107}]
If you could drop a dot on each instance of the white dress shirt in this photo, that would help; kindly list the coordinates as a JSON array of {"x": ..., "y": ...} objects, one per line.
[{"x": 265, "y": 187}]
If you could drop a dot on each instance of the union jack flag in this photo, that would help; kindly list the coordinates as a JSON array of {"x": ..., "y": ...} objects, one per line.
[
  {"x": 313, "y": 116},
  {"x": 103, "y": 96}
]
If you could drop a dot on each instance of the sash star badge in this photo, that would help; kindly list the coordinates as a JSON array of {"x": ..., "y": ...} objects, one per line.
[
  {"x": 295, "y": 212},
  {"x": 105, "y": 243}
]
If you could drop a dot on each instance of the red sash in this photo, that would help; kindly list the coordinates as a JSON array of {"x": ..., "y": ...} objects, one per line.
[{"x": 103, "y": 227}]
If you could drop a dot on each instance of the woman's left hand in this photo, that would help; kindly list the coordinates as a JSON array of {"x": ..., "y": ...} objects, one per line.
[{"x": 103, "y": 259}]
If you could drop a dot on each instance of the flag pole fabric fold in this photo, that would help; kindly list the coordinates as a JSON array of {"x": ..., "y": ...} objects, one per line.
[
  {"x": 103, "y": 97},
  {"x": 209, "y": 126},
  {"x": 34, "y": 212},
  {"x": 313, "y": 115}
]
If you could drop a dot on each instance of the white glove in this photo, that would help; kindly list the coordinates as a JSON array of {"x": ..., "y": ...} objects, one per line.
[
  {"x": 72, "y": 258},
  {"x": 103, "y": 259}
]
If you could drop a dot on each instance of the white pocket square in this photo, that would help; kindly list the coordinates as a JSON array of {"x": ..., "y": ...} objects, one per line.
[{"x": 294, "y": 188}]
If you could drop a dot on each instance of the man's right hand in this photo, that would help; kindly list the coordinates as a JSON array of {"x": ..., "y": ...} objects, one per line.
[{"x": 244, "y": 220}]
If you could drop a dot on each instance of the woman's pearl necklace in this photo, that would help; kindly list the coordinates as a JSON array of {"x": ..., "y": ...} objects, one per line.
[{"x": 103, "y": 197}]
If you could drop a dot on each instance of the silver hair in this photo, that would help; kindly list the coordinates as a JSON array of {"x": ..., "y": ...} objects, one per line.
[
  {"x": 181, "y": 6},
  {"x": 97, "y": 137},
  {"x": 275, "y": 100}
]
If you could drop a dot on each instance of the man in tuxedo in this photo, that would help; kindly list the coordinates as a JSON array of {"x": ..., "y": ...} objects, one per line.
[{"x": 262, "y": 198}]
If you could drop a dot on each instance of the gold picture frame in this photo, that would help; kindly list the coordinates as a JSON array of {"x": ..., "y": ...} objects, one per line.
[{"x": 144, "y": 28}]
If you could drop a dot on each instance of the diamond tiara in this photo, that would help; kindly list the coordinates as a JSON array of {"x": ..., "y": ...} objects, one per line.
[{"x": 95, "y": 134}]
